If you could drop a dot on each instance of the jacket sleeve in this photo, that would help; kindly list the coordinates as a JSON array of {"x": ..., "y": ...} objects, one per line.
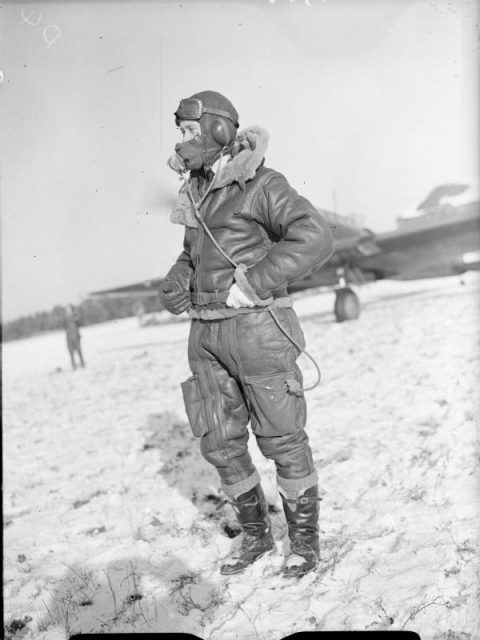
[
  {"x": 182, "y": 271},
  {"x": 304, "y": 243}
]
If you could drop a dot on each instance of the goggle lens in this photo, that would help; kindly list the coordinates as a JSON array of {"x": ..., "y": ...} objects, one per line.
[{"x": 189, "y": 109}]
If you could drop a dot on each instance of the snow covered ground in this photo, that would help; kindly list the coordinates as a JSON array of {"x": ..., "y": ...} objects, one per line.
[{"x": 109, "y": 508}]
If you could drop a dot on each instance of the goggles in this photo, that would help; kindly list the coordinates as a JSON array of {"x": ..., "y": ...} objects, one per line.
[{"x": 193, "y": 109}]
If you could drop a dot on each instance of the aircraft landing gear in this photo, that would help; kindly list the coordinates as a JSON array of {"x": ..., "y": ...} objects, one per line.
[{"x": 347, "y": 304}]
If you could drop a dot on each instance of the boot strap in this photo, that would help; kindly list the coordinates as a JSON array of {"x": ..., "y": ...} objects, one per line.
[
  {"x": 236, "y": 504},
  {"x": 302, "y": 500}
]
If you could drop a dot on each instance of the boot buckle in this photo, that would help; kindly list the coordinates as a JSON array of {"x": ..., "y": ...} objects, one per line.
[{"x": 302, "y": 499}]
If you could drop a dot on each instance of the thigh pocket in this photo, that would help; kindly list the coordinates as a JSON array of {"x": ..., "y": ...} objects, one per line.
[
  {"x": 276, "y": 410},
  {"x": 195, "y": 406}
]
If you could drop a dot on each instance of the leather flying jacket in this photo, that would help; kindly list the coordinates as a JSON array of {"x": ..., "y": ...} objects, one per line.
[{"x": 260, "y": 222}]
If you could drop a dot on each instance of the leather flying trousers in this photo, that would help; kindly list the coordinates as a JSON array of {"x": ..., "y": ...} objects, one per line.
[{"x": 240, "y": 368}]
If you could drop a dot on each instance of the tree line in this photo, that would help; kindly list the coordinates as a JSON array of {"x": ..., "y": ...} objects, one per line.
[{"x": 90, "y": 311}]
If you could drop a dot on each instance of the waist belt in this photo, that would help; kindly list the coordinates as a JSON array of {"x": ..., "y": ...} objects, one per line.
[
  {"x": 200, "y": 313},
  {"x": 202, "y": 298}
]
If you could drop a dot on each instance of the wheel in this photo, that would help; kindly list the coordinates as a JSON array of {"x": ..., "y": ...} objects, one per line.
[{"x": 347, "y": 305}]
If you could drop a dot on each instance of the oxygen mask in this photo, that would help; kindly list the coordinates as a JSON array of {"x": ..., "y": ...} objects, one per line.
[
  {"x": 189, "y": 155},
  {"x": 177, "y": 163}
]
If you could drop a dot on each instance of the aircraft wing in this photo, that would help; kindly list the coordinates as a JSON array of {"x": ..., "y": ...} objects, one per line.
[{"x": 143, "y": 289}]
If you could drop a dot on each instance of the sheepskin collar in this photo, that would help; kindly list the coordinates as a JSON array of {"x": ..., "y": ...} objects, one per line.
[{"x": 248, "y": 153}]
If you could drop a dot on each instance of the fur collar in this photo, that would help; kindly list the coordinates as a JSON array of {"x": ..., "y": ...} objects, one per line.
[{"x": 248, "y": 153}]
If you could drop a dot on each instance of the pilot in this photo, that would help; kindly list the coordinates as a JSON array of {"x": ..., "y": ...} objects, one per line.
[{"x": 248, "y": 235}]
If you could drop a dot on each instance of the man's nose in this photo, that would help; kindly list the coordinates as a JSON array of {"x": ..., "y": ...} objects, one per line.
[{"x": 178, "y": 147}]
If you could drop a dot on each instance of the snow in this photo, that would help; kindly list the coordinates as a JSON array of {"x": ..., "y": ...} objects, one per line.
[{"x": 109, "y": 509}]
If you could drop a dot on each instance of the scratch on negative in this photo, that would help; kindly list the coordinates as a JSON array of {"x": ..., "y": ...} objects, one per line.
[{"x": 116, "y": 68}]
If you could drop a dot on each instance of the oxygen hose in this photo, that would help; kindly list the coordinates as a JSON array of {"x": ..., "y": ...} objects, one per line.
[{"x": 293, "y": 385}]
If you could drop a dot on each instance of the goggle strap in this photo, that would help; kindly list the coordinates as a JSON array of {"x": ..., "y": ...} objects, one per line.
[{"x": 219, "y": 112}]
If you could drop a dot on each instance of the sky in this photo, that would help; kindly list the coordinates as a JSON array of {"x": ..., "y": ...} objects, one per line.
[{"x": 369, "y": 105}]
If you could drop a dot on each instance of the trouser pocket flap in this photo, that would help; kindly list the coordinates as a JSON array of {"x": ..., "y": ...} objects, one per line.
[
  {"x": 194, "y": 406},
  {"x": 274, "y": 382},
  {"x": 276, "y": 410}
]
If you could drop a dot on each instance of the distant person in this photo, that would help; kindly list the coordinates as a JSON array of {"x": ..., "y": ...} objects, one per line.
[
  {"x": 248, "y": 234},
  {"x": 72, "y": 324},
  {"x": 139, "y": 311}
]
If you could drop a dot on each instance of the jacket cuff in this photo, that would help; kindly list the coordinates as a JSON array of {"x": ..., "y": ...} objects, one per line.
[{"x": 246, "y": 288}]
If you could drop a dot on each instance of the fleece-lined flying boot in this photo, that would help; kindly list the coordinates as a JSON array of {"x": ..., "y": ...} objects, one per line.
[
  {"x": 302, "y": 520},
  {"x": 252, "y": 513}
]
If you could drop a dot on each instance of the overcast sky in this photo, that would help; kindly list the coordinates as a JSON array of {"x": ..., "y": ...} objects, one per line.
[{"x": 369, "y": 105}]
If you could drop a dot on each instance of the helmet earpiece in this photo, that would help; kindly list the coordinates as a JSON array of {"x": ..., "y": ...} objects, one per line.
[{"x": 223, "y": 132}]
